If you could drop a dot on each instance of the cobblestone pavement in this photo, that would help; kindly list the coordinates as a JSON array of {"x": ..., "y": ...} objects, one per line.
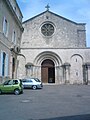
[{"x": 53, "y": 102}]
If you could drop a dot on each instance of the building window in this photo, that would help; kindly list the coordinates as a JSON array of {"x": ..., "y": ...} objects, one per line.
[
  {"x": 47, "y": 29},
  {"x": 76, "y": 59},
  {"x": 4, "y": 64},
  {"x": 5, "y": 27},
  {"x": 15, "y": 8},
  {"x": 14, "y": 37}
]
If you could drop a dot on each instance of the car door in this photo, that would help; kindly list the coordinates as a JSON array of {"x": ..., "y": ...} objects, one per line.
[
  {"x": 28, "y": 83},
  {"x": 7, "y": 87}
]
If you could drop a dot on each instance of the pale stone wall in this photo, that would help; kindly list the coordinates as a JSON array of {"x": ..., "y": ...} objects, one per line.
[
  {"x": 66, "y": 48},
  {"x": 12, "y": 24},
  {"x": 16, "y": 9},
  {"x": 67, "y": 34},
  {"x": 75, "y": 57},
  {"x": 7, "y": 12}
]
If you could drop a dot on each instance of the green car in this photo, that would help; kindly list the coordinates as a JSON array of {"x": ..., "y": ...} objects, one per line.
[{"x": 12, "y": 86}]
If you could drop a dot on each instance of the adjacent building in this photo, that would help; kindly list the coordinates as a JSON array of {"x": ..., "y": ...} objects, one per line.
[
  {"x": 54, "y": 50},
  {"x": 10, "y": 38}
]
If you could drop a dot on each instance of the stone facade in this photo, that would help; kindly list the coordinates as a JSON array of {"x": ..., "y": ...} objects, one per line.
[
  {"x": 54, "y": 48},
  {"x": 67, "y": 34},
  {"x": 10, "y": 37}
]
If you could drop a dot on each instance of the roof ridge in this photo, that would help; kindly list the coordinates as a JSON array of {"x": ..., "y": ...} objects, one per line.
[{"x": 55, "y": 15}]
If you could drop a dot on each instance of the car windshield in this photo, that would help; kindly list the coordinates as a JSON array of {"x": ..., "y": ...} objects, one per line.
[
  {"x": 37, "y": 80},
  {"x": 27, "y": 80},
  {"x": 7, "y": 82}
]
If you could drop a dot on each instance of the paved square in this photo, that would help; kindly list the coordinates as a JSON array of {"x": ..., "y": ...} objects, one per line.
[{"x": 53, "y": 102}]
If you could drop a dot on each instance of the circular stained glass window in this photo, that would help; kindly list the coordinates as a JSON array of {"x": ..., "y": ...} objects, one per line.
[{"x": 47, "y": 29}]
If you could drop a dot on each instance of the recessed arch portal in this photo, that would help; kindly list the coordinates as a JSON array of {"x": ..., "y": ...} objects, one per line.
[
  {"x": 48, "y": 71},
  {"x": 52, "y": 62},
  {"x": 47, "y": 55}
]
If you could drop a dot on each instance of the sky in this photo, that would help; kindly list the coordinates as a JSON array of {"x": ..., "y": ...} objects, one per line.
[{"x": 75, "y": 10}]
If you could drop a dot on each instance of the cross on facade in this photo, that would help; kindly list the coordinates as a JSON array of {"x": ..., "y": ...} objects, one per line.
[{"x": 47, "y": 7}]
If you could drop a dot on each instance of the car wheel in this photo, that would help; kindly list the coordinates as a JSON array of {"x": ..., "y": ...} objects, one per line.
[
  {"x": 16, "y": 92},
  {"x": 0, "y": 92},
  {"x": 34, "y": 87}
]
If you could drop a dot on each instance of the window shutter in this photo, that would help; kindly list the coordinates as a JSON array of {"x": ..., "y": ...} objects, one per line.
[
  {"x": 1, "y": 62},
  {"x": 3, "y": 24},
  {"x": 6, "y": 65},
  {"x": 7, "y": 29}
]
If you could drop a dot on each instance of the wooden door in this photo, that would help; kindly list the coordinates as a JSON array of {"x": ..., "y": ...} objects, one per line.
[
  {"x": 48, "y": 71},
  {"x": 44, "y": 74}
]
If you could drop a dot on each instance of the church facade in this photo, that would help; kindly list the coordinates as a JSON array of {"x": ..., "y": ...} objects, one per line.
[{"x": 54, "y": 50}]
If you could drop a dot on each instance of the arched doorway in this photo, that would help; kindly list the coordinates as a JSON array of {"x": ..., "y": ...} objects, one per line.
[{"x": 48, "y": 71}]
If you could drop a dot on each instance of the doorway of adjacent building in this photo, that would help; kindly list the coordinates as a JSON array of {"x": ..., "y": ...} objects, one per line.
[
  {"x": 13, "y": 67},
  {"x": 48, "y": 71}
]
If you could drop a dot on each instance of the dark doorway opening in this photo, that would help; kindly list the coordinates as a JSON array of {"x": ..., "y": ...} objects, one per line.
[
  {"x": 13, "y": 67},
  {"x": 3, "y": 65},
  {"x": 48, "y": 71}
]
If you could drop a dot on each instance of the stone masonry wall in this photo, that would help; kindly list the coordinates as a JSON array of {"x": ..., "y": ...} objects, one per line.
[{"x": 67, "y": 34}]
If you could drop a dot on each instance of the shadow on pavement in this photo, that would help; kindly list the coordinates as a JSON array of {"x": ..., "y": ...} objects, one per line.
[{"x": 76, "y": 117}]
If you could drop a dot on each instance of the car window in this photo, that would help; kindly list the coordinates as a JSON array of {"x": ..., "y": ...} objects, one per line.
[
  {"x": 10, "y": 82},
  {"x": 23, "y": 80},
  {"x": 15, "y": 82},
  {"x": 37, "y": 80},
  {"x": 29, "y": 80},
  {"x": 6, "y": 82}
]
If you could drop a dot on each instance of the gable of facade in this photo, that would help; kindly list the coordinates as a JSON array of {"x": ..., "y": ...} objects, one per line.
[{"x": 51, "y": 30}]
